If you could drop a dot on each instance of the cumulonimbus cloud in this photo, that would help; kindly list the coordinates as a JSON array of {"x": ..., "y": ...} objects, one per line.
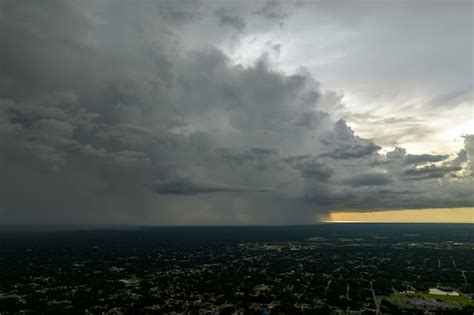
[{"x": 105, "y": 117}]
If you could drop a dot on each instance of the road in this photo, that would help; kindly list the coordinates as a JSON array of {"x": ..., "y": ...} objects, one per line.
[
  {"x": 464, "y": 276},
  {"x": 327, "y": 287},
  {"x": 377, "y": 306}
]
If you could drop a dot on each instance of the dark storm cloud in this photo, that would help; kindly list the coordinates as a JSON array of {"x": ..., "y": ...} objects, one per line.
[
  {"x": 346, "y": 145},
  {"x": 274, "y": 10},
  {"x": 397, "y": 153},
  {"x": 185, "y": 186},
  {"x": 424, "y": 158},
  {"x": 369, "y": 179},
  {"x": 312, "y": 169},
  {"x": 460, "y": 158},
  {"x": 297, "y": 158},
  {"x": 115, "y": 120},
  {"x": 253, "y": 155},
  {"x": 178, "y": 11},
  {"x": 108, "y": 115},
  {"x": 227, "y": 17},
  {"x": 311, "y": 120},
  {"x": 352, "y": 151},
  {"x": 430, "y": 171},
  {"x": 469, "y": 149}
]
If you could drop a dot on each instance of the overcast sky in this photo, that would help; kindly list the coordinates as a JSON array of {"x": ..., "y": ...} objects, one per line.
[{"x": 233, "y": 112}]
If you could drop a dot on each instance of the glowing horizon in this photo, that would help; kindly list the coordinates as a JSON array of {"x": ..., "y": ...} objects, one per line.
[{"x": 432, "y": 215}]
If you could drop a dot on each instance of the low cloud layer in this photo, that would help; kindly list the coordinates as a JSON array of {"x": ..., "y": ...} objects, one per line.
[{"x": 108, "y": 115}]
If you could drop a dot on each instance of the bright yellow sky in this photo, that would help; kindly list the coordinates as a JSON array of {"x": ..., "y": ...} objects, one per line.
[{"x": 440, "y": 215}]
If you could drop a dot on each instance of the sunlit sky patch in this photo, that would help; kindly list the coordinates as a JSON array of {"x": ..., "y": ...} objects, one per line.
[{"x": 441, "y": 215}]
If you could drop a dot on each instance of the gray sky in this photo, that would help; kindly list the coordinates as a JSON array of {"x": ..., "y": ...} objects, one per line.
[{"x": 235, "y": 112}]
